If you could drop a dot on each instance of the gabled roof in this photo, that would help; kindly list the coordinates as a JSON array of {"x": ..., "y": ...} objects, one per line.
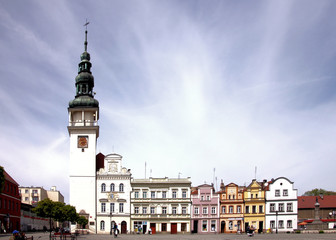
[
  {"x": 9, "y": 178},
  {"x": 324, "y": 201}
]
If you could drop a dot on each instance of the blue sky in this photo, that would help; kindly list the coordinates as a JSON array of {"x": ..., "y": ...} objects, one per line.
[{"x": 185, "y": 86}]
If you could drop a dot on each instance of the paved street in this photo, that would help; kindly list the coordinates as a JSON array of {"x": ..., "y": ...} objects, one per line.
[{"x": 45, "y": 236}]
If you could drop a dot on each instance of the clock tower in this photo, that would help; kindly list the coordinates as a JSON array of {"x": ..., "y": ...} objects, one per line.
[{"x": 83, "y": 131}]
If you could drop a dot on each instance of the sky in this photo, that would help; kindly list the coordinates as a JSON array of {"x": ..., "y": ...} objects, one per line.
[{"x": 213, "y": 90}]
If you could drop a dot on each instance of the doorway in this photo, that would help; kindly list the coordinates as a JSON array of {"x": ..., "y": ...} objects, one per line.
[
  {"x": 173, "y": 228},
  {"x": 223, "y": 227},
  {"x": 123, "y": 227},
  {"x": 153, "y": 227},
  {"x": 195, "y": 226}
]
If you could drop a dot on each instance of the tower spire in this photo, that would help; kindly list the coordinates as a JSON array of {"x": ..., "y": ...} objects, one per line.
[
  {"x": 86, "y": 43},
  {"x": 84, "y": 80}
]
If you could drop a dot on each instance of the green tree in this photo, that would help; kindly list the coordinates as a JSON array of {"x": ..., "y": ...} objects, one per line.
[
  {"x": 2, "y": 178},
  {"x": 45, "y": 208},
  {"x": 318, "y": 192},
  {"x": 82, "y": 221}
]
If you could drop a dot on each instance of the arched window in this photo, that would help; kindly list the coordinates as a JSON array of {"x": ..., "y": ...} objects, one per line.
[
  {"x": 121, "y": 187},
  {"x": 112, "y": 187},
  {"x": 102, "y": 225},
  {"x": 103, "y": 187}
]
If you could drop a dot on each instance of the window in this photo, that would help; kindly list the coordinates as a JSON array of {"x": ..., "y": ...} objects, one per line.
[
  {"x": 34, "y": 191},
  {"x": 152, "y": 210},
  {"x": 103, "y": 207},
  {"x": 152, "y": 194},
  {"x": 213, "y": 225},
  {"x": 213, "y": 210},
  {"x": 289, "y": 207},
  {"x": 102, "y": 225},
  {"x": 174, "y": 210},
  {"x": 205, "y": 210},
  {"x": 103, "y": 187},
  {"x": 183, "y": 227},
  {"x": 184, "y": 210},
  {"x": 247, "y": 209},
  {"x": 164, "y": 194},
  {"x": 231, "y": 209},
  {"x": 281, "y": 224},
  {"x": 136, "y": 210},
  {"x": 111, "y": 207},
  {"x": 208, "y": 198},
  {"x": 289, "y": 224},
  {"x": 261, "y": 210},
  {"x": 230, "y": 225},
  {"x": 256, "y": 195},
  {"x": 164, "y": 210},
  {"x": 272, "y": 207},
  {"x": 281, "y": 207},
  {"x": 272, "y": 224},
  {"x": 254, "y": 209},
  {"x": 0, "y": 203},
  {"x": 223, "y": 209},
  {"x": 121, "y": 187},
  {"x": 144, "y": 195},
  {"x": 277, "y": 193},
  {"x": 163, "y": 227},
  {"x": 238, "y": 209},
  {"x": 26, "y": 199},
  {"x": 202, "y": 198},
  {"x": 174, "y": 194},
  {"x": 285, "y": 192},
  {"x": 136, "y": 194},
  {"x": 144, "y": 210},
  {"x": 112, "y": 187},
  {"x": 233, "y": 196},
  {"x": 121, "y": 207},
  {"x": 26, "y": 191},
  {"x": 184, "y": 194},
  {"x": 196, "y": 210},
  {"x": 204, "y": 225},
  {"x": 251, "y": 195}
]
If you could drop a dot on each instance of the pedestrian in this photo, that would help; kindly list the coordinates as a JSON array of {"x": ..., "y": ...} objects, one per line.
[{"x": 15, "y": 236}]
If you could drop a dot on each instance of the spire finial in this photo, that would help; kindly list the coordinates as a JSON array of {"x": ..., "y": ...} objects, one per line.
[{"x": 86, "y": 43}]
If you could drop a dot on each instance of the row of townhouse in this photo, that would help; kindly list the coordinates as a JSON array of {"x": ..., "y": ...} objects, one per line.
[
  {"x": 262, "y": 206},
  {"x": 167, "y": 205}
]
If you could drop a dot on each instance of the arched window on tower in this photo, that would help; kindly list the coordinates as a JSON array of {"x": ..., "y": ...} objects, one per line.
[
  {"x": 112, "y": 187},
  {"x": 103, "y": 187},
  {"x": 121, "y": 187}
]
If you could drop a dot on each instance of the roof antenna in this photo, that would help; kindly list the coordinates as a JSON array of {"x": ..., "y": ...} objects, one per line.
[{"x": 86, "y": 43}]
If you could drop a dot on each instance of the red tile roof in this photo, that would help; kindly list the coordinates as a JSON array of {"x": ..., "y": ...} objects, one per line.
[{"x": 309, "y": 201}]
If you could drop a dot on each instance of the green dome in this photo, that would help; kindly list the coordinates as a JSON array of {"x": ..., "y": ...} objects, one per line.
[
  {"x": 85, "y": 77},
  {"x": 84, "y": 101}
]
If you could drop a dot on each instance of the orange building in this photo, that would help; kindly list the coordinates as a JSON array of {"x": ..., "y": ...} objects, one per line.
[{"x": 232, "y": 208}]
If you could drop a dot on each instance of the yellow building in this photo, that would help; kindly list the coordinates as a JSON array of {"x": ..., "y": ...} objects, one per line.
[{"x": 254, "y": 214}]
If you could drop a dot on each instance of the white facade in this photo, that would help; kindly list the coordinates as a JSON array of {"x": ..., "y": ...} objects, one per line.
[
  {"x": 160, "y": 204},
  {"x": 113, "y": 195},
  {"x": 281, "y": 205},
  {"x": 83, "y": 130}
]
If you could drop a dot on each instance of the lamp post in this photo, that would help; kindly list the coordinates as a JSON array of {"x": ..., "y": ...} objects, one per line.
[
  {"x": 276, "y": 222},
  {"x": 7, "y": 218},
  {"x": 110, "y": 221}
]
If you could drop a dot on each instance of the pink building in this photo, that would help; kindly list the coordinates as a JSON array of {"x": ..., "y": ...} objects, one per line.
[{"x": 205, "y": 210}]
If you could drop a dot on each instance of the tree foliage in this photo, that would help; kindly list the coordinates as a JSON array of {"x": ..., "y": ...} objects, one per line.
[
  {"x": 56, "y": 210},
  {"x": 82, "y": 221},
  {"x": 2, "y": 178},
  {"x": 318, "y": 192}
]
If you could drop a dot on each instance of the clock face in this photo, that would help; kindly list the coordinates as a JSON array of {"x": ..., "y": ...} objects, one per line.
[{"x": 82, "y": 141}]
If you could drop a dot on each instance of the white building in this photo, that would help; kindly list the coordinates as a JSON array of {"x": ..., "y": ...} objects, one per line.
[
  {"x": 160, "y": 204},
  {"x": 281, "y": 205},
  {"x": 113, "y": 195}
]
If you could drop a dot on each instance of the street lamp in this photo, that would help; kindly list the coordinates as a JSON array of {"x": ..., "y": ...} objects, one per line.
[
  {"x": 276, "y": 222},
  {"x": 110, "y": 221},
  {"x": 6, "y": 218}
]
